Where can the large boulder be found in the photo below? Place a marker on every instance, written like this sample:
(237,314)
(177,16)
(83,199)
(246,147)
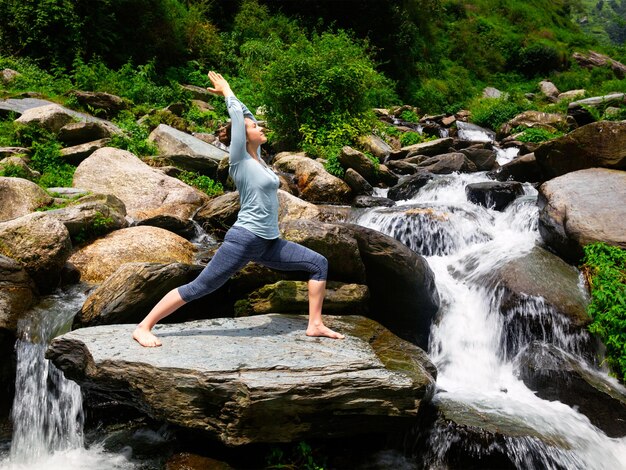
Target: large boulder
(483,158)
(78,153)
(448,163)
(17,293)
(580,208)
(314,183)
(40,243)
(581,110)
(594,59)
(187,151)
(357,183)
(553,375)
(410,186)
(524,169)
(497,196)
(539,273)
(403,294)
(103,257)
(145,191)
(51,117)
(358,161)
(293,297)
(221,212)
(333,241)
(256,379)
(76,133)
(92,216)
(20,197)
(430,148)
(103,102)
(376,146)
(535,120)
(600,144)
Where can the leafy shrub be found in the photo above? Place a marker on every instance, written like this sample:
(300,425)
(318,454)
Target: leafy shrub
(410,138)
(134,138)
(493,112)
(47,160)
(98,226)
(605,269)
(409,116)
(14,171)
(201,182)
(317,85)
(536,135)
(539,59)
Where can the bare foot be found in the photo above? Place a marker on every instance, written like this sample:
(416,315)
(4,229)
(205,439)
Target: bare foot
(323,330)
(145,338)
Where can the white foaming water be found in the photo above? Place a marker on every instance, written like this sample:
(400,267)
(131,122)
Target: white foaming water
(474,135)
(47,410)
(465,245)
(504,156)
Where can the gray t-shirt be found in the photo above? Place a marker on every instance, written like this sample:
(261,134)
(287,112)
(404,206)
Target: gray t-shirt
(256,182)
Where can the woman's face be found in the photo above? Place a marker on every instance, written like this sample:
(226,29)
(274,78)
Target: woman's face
(255,134)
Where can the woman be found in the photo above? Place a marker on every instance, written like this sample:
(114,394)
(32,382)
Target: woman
(254,236)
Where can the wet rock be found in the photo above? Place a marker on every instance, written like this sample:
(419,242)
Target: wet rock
(554,374)
(372,201)
(579,208)
(186,151)
(103,257)
(524,169)
(293,297)
(601,144)
(357,183)
(256,379)
(334,241)
(448,163)
(8,366)
(314,183)
(484,159)
(358,161)
(494,195)
(17,293)
(76,133)
(387,177)
(78,153)
(403,293)
(431,148)
(580,110)
(145,191)
(402,167)
(410,186)
(472,133)
(20,197)
(38,242)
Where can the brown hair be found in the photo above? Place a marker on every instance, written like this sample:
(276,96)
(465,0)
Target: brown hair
(224,133)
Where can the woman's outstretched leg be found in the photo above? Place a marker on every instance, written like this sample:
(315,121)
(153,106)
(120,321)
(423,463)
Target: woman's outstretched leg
(171,302)
(316,327)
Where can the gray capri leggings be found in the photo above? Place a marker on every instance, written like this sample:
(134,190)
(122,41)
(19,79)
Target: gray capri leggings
(242,246)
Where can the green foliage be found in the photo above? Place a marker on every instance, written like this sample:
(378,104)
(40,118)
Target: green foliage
(97,227)
(134,138)
(202,121)
(411,138)
(47,160)
(536,134)
(605,269)
(409,116)
(201,182)
(317,85)
(13,171)
(299,456)
(539,59)
(493,112)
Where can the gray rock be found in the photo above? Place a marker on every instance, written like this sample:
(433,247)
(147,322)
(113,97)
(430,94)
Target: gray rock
(579,110)
(187,151)
(600,144)
(571,94)
(105,102)
(376,146)
(534,119)
(556,375)
(484,159)
(579,208)
(293,297)
(448,163)
(198,93)
(402,167)
(491,92)
(410,186)
(431,148)
(78,153)
(8,75)
(145,191)
(51,117)
(256,379)
(351,158)
(20,163)
(76,133)
(357,183)
(40,243)
(548,89)
(594,59)
(372,201)
(20,197)
(494,195)
(524,169)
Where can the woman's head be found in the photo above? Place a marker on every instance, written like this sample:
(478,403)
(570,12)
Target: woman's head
(254,133)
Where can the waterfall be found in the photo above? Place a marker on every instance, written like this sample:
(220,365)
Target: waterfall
(47,411)
(474,344)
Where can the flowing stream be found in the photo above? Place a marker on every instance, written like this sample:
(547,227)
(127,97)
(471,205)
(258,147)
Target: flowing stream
(474,345)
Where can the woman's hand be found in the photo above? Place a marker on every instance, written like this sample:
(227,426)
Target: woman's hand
(220,85)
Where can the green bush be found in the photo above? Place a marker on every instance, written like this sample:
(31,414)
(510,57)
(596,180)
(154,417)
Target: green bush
(411,138)
(605,269)
(134,138)
(539,59)
(536,135)
(201,182)
(493,112)
(47,160)
(13,171)
(318,84)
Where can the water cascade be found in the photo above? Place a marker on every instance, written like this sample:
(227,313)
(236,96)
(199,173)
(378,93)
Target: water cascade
(475,345)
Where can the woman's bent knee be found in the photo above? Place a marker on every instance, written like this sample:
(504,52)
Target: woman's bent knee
(321,271)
